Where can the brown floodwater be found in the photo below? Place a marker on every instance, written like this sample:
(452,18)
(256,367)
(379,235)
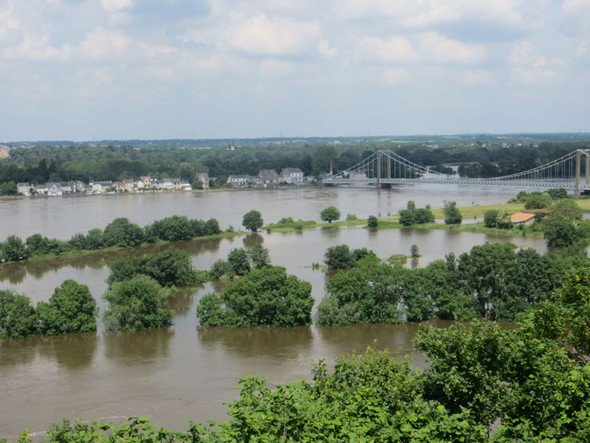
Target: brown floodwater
(187,371)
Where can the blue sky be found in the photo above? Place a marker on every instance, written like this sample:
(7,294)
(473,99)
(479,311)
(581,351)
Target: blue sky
(153,69)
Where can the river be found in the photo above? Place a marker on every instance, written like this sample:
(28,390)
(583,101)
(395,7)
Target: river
(185,371)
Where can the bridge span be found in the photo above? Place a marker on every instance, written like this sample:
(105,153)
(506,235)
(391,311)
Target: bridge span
(388,168)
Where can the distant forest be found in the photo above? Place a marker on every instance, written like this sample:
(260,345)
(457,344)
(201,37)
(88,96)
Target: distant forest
(477,155)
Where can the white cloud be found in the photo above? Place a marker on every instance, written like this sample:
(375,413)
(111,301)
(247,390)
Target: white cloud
(575,6)
(530,67)
(440,49)
(477,77)
(276,68)
(397,77)
(106,46)
(326,50)
(397,49)
(36,48)
(261,35)
(115,5)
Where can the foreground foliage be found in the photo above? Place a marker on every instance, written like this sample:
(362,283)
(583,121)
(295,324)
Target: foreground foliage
(482,383)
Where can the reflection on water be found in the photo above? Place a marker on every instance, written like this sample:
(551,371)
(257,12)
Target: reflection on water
(137,347)
(182,300)
(15,273)
(252,342)
(252,240)
(72,351)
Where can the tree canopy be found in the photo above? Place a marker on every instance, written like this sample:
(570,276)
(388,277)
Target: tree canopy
(137,304)
(330,214)
(71,309)
(253,220)
(265,296)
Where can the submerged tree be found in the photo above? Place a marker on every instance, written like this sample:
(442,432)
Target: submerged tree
(71,308)
(137,304)
(265,296)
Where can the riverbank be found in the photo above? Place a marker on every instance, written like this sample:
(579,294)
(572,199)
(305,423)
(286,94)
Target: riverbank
(288,225)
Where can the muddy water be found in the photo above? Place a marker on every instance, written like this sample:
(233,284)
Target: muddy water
(186,371)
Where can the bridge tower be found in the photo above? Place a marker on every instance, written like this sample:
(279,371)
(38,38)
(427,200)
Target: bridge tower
(379,155)
(579,153)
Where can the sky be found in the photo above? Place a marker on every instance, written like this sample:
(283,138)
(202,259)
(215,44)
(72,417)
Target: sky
(87,70)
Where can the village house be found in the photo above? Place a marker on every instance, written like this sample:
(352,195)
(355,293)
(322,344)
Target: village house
(268,177)
(4,151)
(169,184)
(101,187)
(526,217)
(203,177)
(128,185)
(238,181)
(148,182)
(24,188)
(291,176)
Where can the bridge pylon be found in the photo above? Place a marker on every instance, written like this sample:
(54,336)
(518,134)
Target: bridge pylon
(579,153)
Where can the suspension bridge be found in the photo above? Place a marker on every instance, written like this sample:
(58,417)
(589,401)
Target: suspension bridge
(388,168)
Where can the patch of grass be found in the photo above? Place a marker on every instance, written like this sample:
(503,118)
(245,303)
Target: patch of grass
(290,225)
(477,211)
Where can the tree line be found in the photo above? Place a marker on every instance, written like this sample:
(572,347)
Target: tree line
(492,280)
(119,233)
(44,163)
(137,296)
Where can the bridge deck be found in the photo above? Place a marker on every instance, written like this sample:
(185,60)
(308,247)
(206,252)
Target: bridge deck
(458,181)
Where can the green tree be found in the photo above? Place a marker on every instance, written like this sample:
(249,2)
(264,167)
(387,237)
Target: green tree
(339,257)
(220,268)
(137,304)
(174,228)
(71,309)
(168,268)
(39,245)
(557,193)
(253,220)
(8,188)
(566,209)
(17,316)
(121,232)
(372,221)
(94,239)
(14,249)
(452,214)
(239,261)
(321,159)
(537,200)
(423,215)
(265,296)
(560,233)
(490,218)
(330,214)
(259,256)
(369,294)
(406,217)
(487,272)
